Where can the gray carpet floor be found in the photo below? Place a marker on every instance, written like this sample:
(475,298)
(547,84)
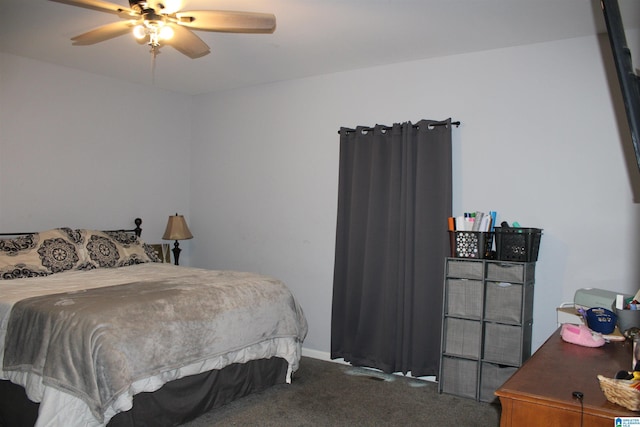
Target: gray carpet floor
(331,394)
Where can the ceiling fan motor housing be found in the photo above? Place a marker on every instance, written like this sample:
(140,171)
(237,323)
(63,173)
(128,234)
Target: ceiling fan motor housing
(142,6)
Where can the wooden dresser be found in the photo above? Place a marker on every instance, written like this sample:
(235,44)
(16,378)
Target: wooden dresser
(540,393)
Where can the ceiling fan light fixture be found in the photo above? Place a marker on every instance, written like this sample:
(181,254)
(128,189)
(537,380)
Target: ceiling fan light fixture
(166,32)
(139,32)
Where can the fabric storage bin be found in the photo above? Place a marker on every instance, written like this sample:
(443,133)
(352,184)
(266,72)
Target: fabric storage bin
(462,337)
(459,377)
(464,298)
(503,344)
(465,269)
(503,302)
(510,272)
(492,378)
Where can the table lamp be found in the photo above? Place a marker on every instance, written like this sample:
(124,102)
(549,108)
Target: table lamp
(177,229)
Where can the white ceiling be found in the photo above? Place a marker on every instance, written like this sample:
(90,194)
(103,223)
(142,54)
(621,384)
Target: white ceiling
(312,37)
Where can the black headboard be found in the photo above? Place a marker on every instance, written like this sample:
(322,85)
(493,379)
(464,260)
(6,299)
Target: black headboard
(137,230)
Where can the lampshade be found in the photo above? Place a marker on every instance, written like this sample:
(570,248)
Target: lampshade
(177,229)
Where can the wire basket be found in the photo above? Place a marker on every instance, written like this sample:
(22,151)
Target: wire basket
(621,392)
(518,244)
(470,244)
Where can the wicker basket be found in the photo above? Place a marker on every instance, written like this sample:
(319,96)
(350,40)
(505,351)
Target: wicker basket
(620,392)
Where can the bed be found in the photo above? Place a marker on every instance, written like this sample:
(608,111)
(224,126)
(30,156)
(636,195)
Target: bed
(95,331)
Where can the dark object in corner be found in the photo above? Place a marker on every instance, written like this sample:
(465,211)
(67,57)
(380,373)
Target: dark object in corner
(629,81)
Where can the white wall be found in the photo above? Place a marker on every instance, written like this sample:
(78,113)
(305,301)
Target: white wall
(539,143)
(81,150)
(256,170)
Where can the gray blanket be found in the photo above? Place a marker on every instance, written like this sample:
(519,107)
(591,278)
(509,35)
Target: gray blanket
(94,344)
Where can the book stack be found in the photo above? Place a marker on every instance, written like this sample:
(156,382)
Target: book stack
(473,221)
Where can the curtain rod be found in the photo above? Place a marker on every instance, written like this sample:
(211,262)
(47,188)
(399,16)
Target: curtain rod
(456,124)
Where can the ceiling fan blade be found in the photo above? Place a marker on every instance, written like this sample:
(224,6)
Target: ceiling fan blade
(103,33)
(100,6)
(187,43)
(228,21)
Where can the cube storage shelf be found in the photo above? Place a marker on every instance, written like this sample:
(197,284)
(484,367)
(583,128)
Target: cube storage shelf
(486,329)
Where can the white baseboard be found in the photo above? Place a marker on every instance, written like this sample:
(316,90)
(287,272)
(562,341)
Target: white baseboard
(321,355)
(326,356)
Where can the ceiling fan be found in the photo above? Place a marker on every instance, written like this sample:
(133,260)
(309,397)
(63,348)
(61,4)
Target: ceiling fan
(156,24)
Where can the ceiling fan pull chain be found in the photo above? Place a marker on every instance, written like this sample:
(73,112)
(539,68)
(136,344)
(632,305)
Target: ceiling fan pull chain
(154,53)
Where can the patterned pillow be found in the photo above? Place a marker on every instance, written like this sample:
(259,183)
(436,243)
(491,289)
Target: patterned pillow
(106,249)
(39,254)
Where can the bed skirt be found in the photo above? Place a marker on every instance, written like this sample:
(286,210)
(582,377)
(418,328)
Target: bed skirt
(175,403)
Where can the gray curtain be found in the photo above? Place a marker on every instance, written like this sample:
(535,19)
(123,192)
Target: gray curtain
(394,199)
